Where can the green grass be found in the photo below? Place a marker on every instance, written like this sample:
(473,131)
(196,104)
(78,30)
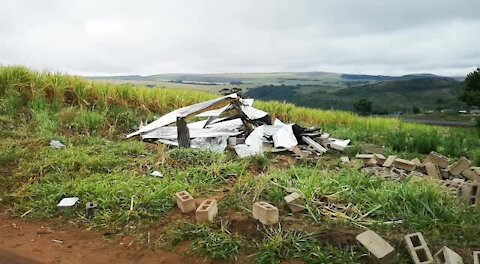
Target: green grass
(99,164)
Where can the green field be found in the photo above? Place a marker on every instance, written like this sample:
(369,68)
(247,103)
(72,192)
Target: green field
(92,119)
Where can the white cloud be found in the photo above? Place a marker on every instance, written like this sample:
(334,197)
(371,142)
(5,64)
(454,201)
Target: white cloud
(149,37)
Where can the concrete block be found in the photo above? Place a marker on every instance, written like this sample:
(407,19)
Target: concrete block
(364,156)
(266,213)
(389,161)
(471,175)
(90,209)
(437,159)
(476,257)
(295,202)
(432,171)
(67,203)
(404,164)
(185,202)
(418,249)
(344,160)
(447,256)
(417,162)
(459,166)
(470,193)
(380,159)
(380,250)
(206,211)
(444,173)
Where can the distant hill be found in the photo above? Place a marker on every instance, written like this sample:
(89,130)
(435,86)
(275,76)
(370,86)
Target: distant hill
(400,94)
(322,89)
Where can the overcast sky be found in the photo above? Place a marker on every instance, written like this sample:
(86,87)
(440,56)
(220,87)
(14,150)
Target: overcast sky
(97,37)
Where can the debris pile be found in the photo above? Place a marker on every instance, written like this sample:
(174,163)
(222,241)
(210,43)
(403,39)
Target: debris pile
(231,121)
(460,177)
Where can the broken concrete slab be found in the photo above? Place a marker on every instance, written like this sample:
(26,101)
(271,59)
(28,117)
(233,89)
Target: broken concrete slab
(432,171)
(314,144)
(339,144)
(67,203)
(389,161)
(404,164)
(459,166)
(295,202)
(379,158)
(418,249)
(185,202)
(447,256)
(380,250)
(56,144)
(344,160)
(207,211)
(266,213)
(437,159)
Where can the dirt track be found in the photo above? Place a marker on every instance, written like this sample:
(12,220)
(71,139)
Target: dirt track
(32,242)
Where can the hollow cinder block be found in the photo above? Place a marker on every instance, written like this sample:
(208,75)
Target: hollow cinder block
(295,202)
(185,202)
(471,175)
(418,249)
(432,171)
(404,164)
(206,211)
(476,257)
(459,166)
(389,161)
(266,213)
(380,250)
(447,256)
(437,159)
(470,193)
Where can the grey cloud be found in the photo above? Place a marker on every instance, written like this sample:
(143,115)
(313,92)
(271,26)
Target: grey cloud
(148,37)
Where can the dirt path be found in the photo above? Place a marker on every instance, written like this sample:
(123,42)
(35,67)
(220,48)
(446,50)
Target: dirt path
(49,242)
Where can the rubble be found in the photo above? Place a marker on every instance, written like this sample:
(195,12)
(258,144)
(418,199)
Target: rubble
(233,122)
(56,144)
(295,202)
(404,164)
(67,203)
(437,159)
(389,161)
(458,167)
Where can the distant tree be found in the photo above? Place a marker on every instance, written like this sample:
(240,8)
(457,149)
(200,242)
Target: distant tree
(416,110)
(363,107)
(471,89)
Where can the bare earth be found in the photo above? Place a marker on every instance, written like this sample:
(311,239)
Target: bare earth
(49,242)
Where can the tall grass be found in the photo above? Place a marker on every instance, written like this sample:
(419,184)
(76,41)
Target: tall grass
(121,107)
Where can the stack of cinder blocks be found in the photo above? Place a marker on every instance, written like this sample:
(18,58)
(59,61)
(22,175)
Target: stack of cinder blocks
(380,250)
(418,249)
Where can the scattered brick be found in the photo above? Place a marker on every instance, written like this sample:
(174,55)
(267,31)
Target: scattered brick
(389,161)
(266,213)
(380,250)
(206,211)
(295,202)
(185,202)
(404,164)
(418,249)
(458,167)
(437,159)
(447,256)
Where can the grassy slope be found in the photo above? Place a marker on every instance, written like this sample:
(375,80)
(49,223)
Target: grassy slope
(99,164)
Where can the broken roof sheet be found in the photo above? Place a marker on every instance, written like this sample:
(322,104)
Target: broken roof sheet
(185,112)
(171,133)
